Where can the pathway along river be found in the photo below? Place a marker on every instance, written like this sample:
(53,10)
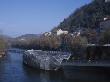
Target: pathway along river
(13,70)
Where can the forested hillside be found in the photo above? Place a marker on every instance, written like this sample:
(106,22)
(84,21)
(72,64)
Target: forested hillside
(88,16)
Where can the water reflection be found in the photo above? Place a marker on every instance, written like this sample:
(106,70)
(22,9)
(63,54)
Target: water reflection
(43,76)
(88,74)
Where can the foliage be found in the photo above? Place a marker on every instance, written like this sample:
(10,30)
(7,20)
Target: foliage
(88,16)
(2,43)
(105,37)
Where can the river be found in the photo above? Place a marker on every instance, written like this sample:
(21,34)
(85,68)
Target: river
(13,70)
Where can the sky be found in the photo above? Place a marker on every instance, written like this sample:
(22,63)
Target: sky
(18,17)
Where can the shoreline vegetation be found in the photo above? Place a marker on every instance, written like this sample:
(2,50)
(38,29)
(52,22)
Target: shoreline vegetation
(3,47)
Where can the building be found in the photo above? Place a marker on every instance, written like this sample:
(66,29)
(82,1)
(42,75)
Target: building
(105,24)
(47,33)
(60,32)
(107,1)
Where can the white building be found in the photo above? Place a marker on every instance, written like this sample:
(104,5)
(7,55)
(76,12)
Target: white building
(22,39)
(47,33)
(105,18)
(104,25)
(60,32)
(78,33)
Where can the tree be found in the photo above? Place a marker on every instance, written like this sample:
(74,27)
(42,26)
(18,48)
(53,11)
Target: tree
(78,46)
(105,37)
(2,44)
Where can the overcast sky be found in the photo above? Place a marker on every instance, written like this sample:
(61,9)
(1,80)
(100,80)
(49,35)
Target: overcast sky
(19,17)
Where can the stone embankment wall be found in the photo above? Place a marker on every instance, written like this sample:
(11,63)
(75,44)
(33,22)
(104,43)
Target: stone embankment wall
(46,60)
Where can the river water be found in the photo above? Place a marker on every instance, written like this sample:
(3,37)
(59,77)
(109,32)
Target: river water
(13,70)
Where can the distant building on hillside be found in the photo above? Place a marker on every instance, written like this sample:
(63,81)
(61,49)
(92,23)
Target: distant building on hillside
(105,24)
(47,33)
(77,33)
(106,18)
(60,32)
(107,1)
(22,39)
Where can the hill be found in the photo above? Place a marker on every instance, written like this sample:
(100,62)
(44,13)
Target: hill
(88,16)
(28,36)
